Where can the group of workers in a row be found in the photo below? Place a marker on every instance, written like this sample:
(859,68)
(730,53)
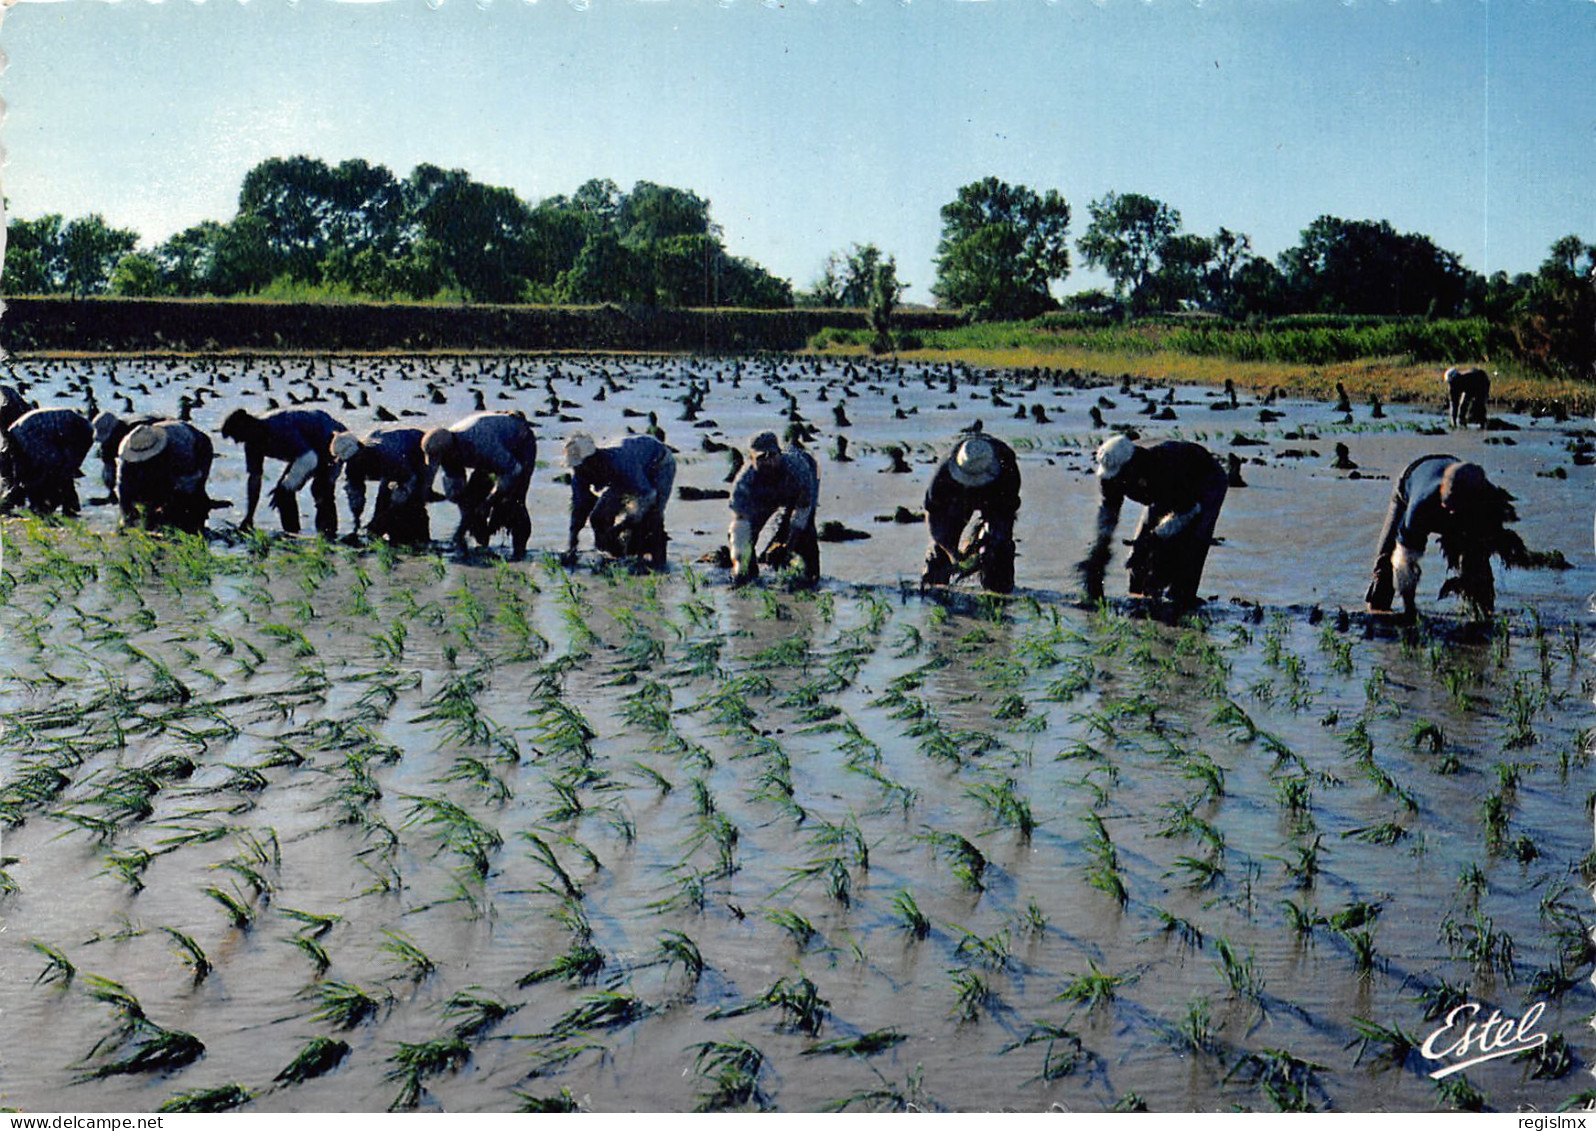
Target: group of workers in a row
(156,471)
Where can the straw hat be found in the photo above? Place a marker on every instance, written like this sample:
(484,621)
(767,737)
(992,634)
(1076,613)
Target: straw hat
(143,443)
(344,446)
(1462,484)
(1113,455)
(104,425)
(764,442)
(578,447)
(975,462)
(437,444)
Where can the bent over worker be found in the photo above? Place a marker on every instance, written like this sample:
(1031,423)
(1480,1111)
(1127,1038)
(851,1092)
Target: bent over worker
(301,438)
(1442,495)
(980,476)
(1183,487)
(392,458)
(41,456)
(162,469)
(1467,392)
(500,451)
(774,480)
(622,490)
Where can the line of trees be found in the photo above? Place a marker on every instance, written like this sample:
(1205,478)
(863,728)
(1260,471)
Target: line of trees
(304,227)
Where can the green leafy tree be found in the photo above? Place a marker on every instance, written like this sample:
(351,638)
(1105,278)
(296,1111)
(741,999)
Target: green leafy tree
(1555,320)
(1127,238)
(90,249)
(1368,267)
(847,277)
(1002,248)
(138,276)
(606,270)
(33,256)
(885,291)
(651,213)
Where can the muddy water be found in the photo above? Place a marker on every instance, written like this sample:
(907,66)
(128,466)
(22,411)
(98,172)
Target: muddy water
(1137,800)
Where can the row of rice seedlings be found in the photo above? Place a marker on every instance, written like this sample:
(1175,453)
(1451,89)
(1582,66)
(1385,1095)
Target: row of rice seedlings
(798,999)
(136,1044)
(454,710)
(1104,872)
(1063,1052)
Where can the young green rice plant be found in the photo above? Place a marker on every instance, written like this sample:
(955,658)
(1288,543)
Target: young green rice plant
(1195,1030)
(319,1056)
(799,929)
(1458,1094)
(1094,988)
(1005,804)
(226,1097)
(909,916)
(564,1102)
(1103,873)
(605,1010)
(239,913)
(190,953)
(1551,1060)
(1241,975)
(58,968)
(473,1014)
(730,1072)
(864,1045)
(1289,1082)
(412,962)
(798,999)
(580,964)
(971,995)
(344,1005)
(991,951)
(677,948)
(967,862)
(457,831)
(1063,1054)
(414,1063)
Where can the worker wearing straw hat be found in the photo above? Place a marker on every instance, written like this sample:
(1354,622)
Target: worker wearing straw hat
(392,458)
(162,469)
(12,405)
(774,480)
(1183,488)
(301,439)
(622,491)
(500,451)
(980,476)
(1442,495)
(41,457)
(109,432)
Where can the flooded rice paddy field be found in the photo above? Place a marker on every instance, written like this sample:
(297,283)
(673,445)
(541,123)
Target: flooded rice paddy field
(309,826)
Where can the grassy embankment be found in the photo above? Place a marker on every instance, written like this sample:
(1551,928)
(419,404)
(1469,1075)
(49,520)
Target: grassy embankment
(1397,360)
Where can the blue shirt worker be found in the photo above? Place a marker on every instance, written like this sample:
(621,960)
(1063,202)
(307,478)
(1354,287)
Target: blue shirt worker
(12,406)
(41,458)
(1183,488)
(1442,495)
(1467,393)
(622,490)
(392,458)
(301,438)
(774,480)
(980,476)
(161,475)
(500,451)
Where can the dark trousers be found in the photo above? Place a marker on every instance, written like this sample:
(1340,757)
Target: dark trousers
(997,551)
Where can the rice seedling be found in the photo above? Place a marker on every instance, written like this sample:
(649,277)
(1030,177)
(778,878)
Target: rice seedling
(1005,804)
(414,1063)
(1094,988)
(971,995)
(991,951)
(319,1056)
(1103,873)
(564,1102)
(731,1071)
(239,913)
(412,962)
(1289,1082)
(604,1010)
(58,968)
(1241,975)
(798,999)
(968,864)
(677,948)
(225,1097)
(344,1005)
(190,953)
(1551,1060)
(581,964)
(472,1015)
(1458,1094)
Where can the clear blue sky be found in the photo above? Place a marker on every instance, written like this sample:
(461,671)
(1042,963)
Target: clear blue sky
(813,124)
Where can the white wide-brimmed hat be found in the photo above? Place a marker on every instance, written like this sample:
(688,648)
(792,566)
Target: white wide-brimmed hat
(1112,456)
(143,443)
(975,462)
(438,443)
(578,446)
(344,446)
